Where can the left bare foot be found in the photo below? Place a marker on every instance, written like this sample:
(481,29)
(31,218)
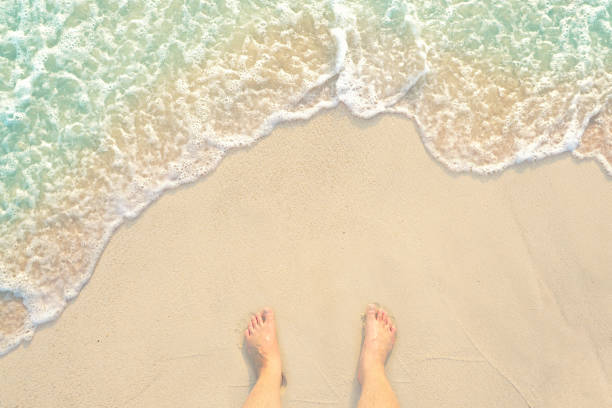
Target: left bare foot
(379,337)
(262,343)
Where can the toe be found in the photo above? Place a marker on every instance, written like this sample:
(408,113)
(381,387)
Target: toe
(247,333)
(382,315)
(254,321)
(251,328)
(267,314)
(259,318)
(371,312)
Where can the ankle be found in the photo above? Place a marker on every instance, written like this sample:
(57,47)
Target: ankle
(370,370)
(271,370)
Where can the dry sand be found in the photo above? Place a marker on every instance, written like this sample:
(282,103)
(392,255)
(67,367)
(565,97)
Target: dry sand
(501,286)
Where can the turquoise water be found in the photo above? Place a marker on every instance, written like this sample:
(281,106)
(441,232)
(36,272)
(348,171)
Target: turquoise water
(105,104)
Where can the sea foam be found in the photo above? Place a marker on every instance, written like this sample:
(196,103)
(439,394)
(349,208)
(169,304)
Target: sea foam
(106,104)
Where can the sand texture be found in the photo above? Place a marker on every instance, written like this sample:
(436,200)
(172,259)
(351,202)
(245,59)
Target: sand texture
(501,286)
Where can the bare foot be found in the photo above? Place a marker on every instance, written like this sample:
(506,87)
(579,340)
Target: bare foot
(262,343)
(378,341)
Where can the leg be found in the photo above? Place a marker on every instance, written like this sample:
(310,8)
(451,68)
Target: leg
(378,341)
(263,348)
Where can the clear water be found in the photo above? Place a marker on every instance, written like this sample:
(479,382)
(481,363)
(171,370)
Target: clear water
(105,104)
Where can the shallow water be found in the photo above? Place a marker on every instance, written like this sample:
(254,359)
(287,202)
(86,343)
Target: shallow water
(105,104)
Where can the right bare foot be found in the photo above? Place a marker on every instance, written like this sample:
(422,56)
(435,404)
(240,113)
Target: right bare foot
(262,343)
(378,341)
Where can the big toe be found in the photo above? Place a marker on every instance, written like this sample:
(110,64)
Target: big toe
(268,314)
(371,312)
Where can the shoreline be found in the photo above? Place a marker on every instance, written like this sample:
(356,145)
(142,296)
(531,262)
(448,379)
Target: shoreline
(291,220)
(296,120)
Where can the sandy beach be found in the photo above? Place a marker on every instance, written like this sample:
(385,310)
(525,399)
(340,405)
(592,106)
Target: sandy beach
(500,285)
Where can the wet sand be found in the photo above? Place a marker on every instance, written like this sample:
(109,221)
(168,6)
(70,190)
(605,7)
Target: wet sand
(500,285)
